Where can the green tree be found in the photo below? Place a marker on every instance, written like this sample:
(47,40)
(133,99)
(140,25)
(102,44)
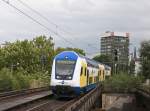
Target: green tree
(132,66)
(145,59)
(106,59)
(44,48)
(32,56)
(1,58)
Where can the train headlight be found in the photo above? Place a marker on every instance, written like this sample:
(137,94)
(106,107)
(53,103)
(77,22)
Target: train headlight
(68,77)
(58,77)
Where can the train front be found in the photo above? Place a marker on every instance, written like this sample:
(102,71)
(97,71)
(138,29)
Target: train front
(64,78)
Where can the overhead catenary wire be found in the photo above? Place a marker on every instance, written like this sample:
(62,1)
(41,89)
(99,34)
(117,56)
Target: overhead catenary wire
(45,18)
(38,13)
(42,16)
(39,23)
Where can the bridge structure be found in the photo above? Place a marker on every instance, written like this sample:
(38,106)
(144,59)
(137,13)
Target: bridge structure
(42,100)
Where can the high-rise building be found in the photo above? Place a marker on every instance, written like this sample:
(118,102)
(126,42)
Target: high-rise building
(116,45)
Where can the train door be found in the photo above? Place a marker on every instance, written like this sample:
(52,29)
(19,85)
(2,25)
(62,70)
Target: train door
(102,73)
(83,74)
(87,79)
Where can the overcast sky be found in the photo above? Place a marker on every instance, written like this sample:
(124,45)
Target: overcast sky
(79,21)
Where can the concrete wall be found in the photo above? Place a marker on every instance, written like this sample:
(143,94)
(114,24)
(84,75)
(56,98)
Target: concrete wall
(118,102)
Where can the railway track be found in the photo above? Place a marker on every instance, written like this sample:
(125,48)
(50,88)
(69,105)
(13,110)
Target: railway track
(51,105)
(46,101)
(11,94)
(38,99)
(13,99)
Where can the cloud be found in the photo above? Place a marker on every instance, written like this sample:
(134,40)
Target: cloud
(85,20)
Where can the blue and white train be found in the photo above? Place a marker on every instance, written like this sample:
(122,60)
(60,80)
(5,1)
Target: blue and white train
(73,74)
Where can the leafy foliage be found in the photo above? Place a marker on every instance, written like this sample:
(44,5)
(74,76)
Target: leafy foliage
(28,55)
(106,59)
(27,63)
(31,56)
(22,80)
(5,80)
(122,82)
(145,59)
(132,66)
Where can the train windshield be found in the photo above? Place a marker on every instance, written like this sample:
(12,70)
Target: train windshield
(65,67)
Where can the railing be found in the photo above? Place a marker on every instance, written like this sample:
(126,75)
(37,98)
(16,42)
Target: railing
(145,88)
(143,99)
(86,102)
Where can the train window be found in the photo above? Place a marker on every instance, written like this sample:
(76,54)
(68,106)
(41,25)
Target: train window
(64,68)
(85,71)
(81,70)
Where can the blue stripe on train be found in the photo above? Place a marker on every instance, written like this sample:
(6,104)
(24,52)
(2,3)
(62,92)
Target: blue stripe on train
(91,86)
(79,90)
(76,90)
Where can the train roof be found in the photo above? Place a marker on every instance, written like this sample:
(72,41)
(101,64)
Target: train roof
(90,62)
(74,55)
(93,62)
(69,55)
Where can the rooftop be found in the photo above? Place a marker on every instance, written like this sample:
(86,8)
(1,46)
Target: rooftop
(121,34)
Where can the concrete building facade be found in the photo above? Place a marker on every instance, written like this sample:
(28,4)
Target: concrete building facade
(111,41)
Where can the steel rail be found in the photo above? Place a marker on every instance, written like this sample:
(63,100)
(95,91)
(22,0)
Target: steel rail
(10,94)
(50,105)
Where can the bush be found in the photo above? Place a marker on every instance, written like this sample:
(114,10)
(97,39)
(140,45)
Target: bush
(122,83)
(5,80)
(41,79)
(22,80)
